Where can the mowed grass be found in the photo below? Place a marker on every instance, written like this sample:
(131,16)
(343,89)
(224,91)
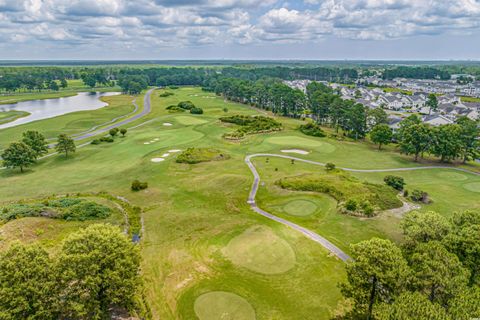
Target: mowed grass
(192,213)
(221,305)
(9,116)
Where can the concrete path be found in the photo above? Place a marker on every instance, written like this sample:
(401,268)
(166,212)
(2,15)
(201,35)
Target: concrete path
(308,233)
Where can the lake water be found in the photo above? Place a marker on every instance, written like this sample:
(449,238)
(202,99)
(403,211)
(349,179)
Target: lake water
(49,108)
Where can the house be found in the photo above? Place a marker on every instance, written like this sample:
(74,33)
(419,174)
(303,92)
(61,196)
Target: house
(436,120)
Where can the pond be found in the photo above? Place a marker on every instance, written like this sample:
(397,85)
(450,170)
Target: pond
(49,108)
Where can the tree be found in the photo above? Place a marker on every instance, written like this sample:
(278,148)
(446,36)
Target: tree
(123,131)
(377,116)
(27,283)
(415,139)
(356,121)
(447,142)
(113,132)
(377,273)
(395,182)
(381,134)
(63,83)
(432,103)
(437,273)
(469,137)
(466,305)
(18,154)
(36,141)
(65,144)
(422,227)
(411,306)
(99,268)
(89,80)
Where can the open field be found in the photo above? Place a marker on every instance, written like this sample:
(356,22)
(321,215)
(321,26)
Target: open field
(205,253)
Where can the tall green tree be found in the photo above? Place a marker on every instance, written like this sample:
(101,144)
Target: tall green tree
(36,141)
(376,274)
(65,144)
(447,142)
(422,227)
(377,116)
(465,305)
(470,138)
(438,273)
(381,134)
(411,306)
(18,155)
(99,268)
(27,283)
(415,139)
(432,103)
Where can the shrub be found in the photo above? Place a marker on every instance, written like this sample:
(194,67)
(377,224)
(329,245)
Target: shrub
(86,210)
(166,94)
(95,141)
(197,155)
(312,129)
(186,105)
(419,196)
(367,208)
(196,110)
(405,193)
(175,108)
(113,132)
(330,166)
(250,125)
(123,131)
(137,185)
(395,182)
(107,139)
(225,110)
(351,205)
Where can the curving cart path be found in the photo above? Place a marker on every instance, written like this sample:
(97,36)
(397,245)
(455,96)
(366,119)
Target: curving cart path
(308,233)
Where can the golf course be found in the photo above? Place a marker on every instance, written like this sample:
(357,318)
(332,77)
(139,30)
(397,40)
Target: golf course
(228,228)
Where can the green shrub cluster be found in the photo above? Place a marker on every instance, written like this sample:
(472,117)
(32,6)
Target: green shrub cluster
(419,196)
(250,125)
(395,182)
(166,94)
(312,129)
(184,106)
(101,140)
(137,185)
(196,110)
(63,208)
(354,196)
(197,155)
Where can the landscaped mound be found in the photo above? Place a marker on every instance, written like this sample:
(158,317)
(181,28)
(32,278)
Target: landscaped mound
(197,155)
(312,129)
(259,249)
(221,305)
(354,197)
(62,208)
(184,106)
(250,125)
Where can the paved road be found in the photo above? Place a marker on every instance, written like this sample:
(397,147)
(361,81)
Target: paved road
(308,233)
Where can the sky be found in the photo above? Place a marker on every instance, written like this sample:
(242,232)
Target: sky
(240,29)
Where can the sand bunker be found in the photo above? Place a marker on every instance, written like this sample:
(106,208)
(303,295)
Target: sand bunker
(157,160)
(174,150)
(146,143)
(298,151)
(165,155)
(167,124)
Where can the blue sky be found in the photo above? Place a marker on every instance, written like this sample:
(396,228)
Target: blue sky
(240,29)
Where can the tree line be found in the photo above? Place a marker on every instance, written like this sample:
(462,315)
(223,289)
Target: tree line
(434,274)
(95,270)
(416,73)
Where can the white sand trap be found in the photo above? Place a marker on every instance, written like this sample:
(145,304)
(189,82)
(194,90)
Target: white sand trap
(297,151)
(156,139)
(146,143)
(157,159)
(167,124)
(174,150)
(165,155)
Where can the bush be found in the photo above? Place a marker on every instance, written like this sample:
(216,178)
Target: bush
(419,196)
(312,129)
(196,110)
(137,185)
(330,166)
(95,142)
(113,132)
(197,155)
(351,205)
(107,139)
(405,193)
(86,210)
(175,108)
(166,94)
(186,105)
(250,125)
(395,182)
(367,208)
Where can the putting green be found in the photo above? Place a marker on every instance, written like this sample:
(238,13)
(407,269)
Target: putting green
(220,305)
(300,208)
(301,142)
(452,176)
(474,186)
(259,249)
(189,120)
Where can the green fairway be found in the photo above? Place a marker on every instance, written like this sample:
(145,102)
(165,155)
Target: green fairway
(260,250)
(223,306)
(205,253)
(9,116)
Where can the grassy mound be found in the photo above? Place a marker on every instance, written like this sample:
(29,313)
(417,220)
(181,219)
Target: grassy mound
(452,176)
(474,186)
(63,208)
(300,208)
(354,196)
(259,249)
(197,155)
(250,125)
(312,129)
(220,305)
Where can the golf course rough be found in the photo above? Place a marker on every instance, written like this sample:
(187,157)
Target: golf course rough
(474,186)
(453,176)
(221,305)
(260,250)
(300,142)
